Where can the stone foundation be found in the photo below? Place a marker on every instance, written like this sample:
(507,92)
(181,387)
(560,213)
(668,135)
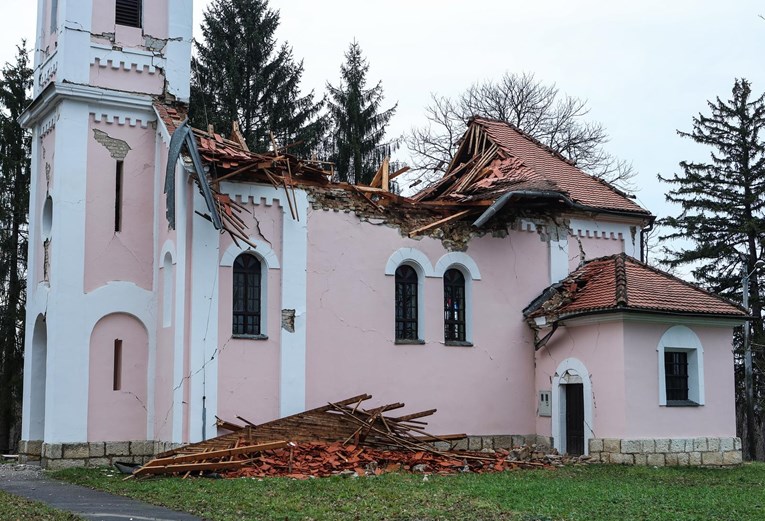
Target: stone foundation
(55,456)
(494,442)
(672,452)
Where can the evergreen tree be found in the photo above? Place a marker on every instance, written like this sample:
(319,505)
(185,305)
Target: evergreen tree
(723,204)
(358,125)
(242,74)
(15,149)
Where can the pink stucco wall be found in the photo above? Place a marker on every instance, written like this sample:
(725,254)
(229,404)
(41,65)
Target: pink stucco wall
(646,419)
(486,389)
(154,22)
(126,255)
(248,369)
(600,347)
(118,415)
(104,75)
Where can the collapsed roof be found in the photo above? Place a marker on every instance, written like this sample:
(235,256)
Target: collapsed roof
(495,164)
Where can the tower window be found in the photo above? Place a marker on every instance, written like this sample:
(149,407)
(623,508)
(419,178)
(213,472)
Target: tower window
(117,365)
(128,13)
(118,197)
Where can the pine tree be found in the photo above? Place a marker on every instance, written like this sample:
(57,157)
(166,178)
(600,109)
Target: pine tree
(242,74)
(723,204)
(15,149)
(358,125)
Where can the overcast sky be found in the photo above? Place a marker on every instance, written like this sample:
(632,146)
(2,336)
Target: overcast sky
(646,68)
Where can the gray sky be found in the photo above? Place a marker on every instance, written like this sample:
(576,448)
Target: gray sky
(646,68)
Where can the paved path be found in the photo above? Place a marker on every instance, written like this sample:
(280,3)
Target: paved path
(30,482)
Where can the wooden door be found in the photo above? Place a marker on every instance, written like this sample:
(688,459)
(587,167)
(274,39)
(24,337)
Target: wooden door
(575,419)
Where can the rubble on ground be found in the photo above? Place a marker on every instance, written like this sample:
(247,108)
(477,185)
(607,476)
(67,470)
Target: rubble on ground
(340,438)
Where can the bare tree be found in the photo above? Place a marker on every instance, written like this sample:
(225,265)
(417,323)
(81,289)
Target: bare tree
(540,110)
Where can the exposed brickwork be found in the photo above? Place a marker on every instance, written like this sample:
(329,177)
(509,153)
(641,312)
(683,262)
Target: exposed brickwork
(118,148)
(667,452)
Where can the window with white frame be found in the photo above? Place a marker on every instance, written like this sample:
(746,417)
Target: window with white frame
(407,303)
(681,368)
(454,306)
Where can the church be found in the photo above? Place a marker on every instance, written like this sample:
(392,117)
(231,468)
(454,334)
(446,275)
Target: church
(176,278)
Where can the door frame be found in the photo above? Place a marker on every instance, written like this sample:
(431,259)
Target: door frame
(570,370)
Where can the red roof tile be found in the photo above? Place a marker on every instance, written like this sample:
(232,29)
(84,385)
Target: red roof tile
(540,162)
(621,283)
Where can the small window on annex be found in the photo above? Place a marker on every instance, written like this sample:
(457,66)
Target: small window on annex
(676,376)
(454,306)
(128,12)
(407,283)
(247,296)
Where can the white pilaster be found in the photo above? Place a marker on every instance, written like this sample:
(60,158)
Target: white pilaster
(74,40)
(66,402)
(558,258)
(178,50)
(294,287)
(203,341)
(180,302)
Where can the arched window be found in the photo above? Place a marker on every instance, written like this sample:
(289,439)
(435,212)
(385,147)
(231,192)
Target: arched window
(406,303)
(247,293)
(454,306)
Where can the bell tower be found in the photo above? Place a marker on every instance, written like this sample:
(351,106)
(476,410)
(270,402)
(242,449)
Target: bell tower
(100,65)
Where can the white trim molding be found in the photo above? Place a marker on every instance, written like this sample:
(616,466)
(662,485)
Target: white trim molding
(413,257)
(457,258)
(682,338)
(574,369)
(262,250)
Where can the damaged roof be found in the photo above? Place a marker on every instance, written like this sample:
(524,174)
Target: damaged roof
(496,158)
(621,283)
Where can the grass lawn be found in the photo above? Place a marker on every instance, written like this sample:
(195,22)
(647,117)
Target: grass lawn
(581,493)
(14,508)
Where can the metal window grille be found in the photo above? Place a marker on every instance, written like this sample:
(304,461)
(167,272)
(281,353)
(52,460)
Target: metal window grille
(406,303)
(676,375)
(454,306)
(128,12)
(247,272)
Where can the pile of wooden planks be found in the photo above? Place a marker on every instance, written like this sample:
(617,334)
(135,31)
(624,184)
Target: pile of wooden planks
(344,422)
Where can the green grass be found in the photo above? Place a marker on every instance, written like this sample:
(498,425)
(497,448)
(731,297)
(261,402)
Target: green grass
(576,493)
(14,508)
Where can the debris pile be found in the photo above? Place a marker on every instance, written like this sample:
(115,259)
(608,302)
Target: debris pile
(338,438)
(319,459)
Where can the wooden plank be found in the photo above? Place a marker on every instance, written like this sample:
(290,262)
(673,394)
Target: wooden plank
(439,222)
(215,454)
(385,171)
(190,467)
(237,136)
(415,415)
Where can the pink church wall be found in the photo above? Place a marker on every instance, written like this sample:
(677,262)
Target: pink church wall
(126,255)
(49,39)
(486,388)
(126,80)
(600,347)
(646,419)
(248,381)
(154,22)
(117,415)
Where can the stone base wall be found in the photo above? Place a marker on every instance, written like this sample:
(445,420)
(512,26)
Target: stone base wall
(494,442)
(55,456)
(672,452)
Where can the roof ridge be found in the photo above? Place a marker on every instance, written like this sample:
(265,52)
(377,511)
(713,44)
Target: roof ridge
(620,276)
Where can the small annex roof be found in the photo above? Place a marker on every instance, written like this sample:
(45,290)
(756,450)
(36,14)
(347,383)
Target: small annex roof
(620,283)
(496,158)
